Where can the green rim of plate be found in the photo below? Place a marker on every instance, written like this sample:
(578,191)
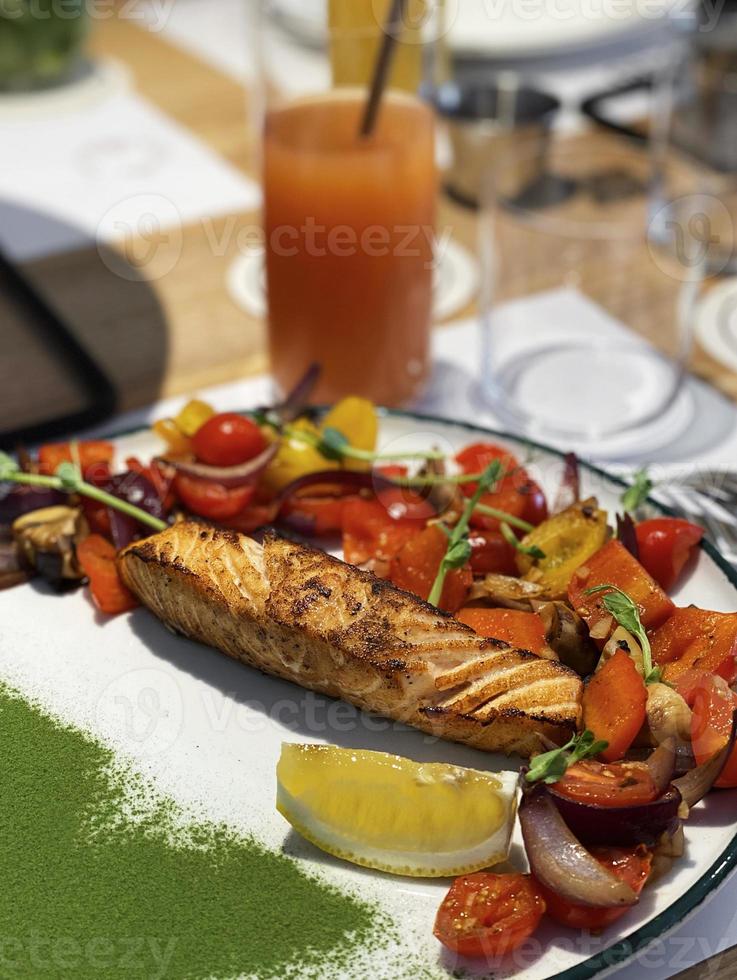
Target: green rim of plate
(624,949)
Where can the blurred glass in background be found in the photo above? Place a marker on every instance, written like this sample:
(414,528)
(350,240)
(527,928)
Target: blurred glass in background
(41,42)
(588,315)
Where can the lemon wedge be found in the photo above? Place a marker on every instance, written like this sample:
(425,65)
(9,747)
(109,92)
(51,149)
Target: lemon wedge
(382,811)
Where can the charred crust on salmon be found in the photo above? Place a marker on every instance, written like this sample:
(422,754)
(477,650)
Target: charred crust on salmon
(299,614)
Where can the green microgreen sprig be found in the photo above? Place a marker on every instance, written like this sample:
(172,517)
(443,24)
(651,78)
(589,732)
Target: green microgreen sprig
(636,495)
(68,479)
(458,550)
(549,767)
(511,538)
(626,613)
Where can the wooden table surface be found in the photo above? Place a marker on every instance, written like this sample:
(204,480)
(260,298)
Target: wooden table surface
(161,334)
(169,326)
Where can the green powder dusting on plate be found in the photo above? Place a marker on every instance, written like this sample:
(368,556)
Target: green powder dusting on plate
(100,879)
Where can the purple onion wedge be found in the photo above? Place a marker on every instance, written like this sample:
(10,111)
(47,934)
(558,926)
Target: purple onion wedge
(17,499)
(561,862)
(661,763)
(226,476)
(345,479)
(621,826)
(140,492)
(696,783)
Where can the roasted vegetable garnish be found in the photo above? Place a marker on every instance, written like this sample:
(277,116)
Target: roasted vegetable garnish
(47,540)
(567,635)
(567,540)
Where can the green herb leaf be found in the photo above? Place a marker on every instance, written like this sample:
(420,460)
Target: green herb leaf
(67,479)
(8,466)
(549,767)
(333,444)
(69,475)
(636,495)
(526,549)
(626,613)
(459,549)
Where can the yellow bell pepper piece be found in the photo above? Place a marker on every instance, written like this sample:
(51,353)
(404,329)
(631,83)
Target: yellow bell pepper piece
(356,419)
(193,416)
(295,459)
(176,442)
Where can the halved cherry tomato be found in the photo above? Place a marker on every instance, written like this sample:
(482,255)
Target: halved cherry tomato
(614,565)
(316,515)
(614,704)
(711,723)
(416,565)
(516,493)
(697,639)
(476,457)
(378,528)
(489,915)
(665,545)
(91,452)
(610,784)
(390,470)
(523,630)
(228,439)
(632,865)
(212,500)
(491,553)
(96,557)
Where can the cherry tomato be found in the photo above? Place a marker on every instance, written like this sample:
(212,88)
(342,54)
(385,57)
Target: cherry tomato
(212,500)
(377,528)
(523,630)
(228,439)
(489,915)
(611,784)
(476,457)
(96,557)
(665,545)
(711,725)
(516,493)
(632,865)
(89,453)
(695,639)
(316,515)
(415,567)
(491,553)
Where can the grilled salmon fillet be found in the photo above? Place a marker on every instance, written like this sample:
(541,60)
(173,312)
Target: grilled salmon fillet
(300,614)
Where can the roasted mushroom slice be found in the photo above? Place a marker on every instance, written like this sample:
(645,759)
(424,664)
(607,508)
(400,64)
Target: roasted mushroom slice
(46,540)
(568,636)
(507,591)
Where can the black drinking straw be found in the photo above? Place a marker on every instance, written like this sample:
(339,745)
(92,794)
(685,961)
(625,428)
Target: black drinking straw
(392,30)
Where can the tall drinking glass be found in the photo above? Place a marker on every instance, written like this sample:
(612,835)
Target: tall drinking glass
(591,290)
(348,218)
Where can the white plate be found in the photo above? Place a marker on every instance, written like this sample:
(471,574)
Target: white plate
(208,731)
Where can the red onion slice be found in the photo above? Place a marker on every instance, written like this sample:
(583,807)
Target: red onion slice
(698,781)
(226,476)
(343,479)
(662,763)
(17,499)
(569,492)
(296,400)
(561,862)
(622,826)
